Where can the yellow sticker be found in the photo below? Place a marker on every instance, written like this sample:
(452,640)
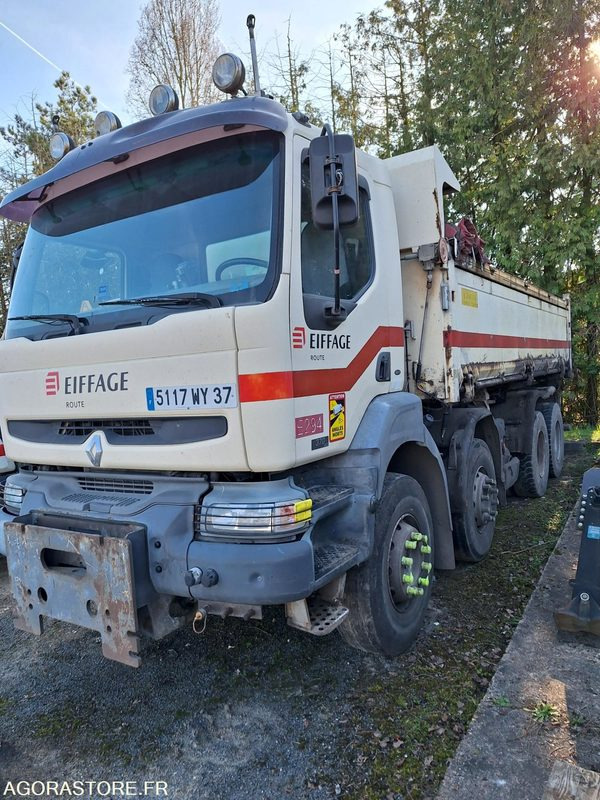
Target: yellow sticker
(469,298)
(337,416)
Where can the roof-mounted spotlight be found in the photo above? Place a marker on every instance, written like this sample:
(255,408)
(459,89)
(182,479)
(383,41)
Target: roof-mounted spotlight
(59,145)
(106,122)
(229,73)
(163,98)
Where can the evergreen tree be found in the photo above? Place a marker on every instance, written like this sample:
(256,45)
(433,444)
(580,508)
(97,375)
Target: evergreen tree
(28,155)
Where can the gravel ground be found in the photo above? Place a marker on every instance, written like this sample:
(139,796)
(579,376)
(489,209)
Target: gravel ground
(246,710)
(242,711)
(257,710)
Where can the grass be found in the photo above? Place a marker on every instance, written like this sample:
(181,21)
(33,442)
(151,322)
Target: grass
(410,719)
(583,433)
(501,702)
(543,712)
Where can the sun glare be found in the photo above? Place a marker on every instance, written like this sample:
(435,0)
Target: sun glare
(594,49)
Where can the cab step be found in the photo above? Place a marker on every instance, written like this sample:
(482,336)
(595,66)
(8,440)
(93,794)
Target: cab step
(329,499)
(315,615)
(331,559)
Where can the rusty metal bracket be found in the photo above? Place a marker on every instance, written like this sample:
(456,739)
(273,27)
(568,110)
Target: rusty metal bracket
(80,576)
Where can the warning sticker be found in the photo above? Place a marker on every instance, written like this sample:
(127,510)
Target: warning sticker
(337,416)
(469,298)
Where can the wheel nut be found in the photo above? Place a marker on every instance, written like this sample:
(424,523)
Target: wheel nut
(426,549)
(410,545)
(406,561)
(423,581)
(408,578)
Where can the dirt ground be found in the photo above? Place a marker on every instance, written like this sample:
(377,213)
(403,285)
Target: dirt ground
(258,710)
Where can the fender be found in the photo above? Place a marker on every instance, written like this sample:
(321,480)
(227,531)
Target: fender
(391,437)
(465,425)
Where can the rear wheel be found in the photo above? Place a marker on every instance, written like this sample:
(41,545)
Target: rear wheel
(534,468)
(388,594)
(474,524)
(556,435)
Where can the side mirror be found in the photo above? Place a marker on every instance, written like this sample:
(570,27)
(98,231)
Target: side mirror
(333,160)
(15,262)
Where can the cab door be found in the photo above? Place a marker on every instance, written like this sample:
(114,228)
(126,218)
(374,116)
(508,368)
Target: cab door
(339,368)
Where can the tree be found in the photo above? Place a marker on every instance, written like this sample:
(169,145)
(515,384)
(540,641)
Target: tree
(28,155)
(176,44)
(292,79)
(28,138)
(510,91)
(524,137)
(354,112)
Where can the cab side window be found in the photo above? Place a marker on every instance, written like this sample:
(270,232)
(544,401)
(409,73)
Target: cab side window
(316,247)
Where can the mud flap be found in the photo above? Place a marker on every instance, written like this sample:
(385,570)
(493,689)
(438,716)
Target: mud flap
(76,571)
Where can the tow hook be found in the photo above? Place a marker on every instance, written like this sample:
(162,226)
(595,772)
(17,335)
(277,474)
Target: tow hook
(199,623)
(195,576)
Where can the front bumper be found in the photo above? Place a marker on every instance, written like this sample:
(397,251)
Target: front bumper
(121,570)
(164,508)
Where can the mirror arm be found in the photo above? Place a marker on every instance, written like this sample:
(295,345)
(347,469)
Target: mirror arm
(334,190)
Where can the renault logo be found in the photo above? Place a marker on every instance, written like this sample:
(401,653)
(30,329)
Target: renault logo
(94,450)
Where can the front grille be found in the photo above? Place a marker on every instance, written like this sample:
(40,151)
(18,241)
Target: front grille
(91,497)
(113,485)
(120,427)
(121,432)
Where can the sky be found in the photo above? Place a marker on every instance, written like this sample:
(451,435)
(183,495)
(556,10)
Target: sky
(91,40)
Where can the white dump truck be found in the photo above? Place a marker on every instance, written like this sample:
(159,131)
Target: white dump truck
(246,364)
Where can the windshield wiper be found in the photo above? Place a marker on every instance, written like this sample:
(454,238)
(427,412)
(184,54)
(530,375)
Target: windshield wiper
(74,321)
(182,299)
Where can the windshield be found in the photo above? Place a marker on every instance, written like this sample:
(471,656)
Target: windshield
(201,222)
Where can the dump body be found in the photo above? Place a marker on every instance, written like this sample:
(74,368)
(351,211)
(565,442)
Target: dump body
(471,326)
(482,329)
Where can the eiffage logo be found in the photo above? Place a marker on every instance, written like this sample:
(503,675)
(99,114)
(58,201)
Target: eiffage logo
(52,383)
(298,337)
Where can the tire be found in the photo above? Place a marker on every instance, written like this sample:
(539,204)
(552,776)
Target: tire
(556,436)
(385,613)
(535,467)
(474,526)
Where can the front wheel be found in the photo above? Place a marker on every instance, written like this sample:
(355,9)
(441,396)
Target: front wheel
(388,595)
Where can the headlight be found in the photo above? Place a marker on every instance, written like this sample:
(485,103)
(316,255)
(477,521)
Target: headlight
(13,494)
(163,98)
(252,521)
(229,73)
(106,122)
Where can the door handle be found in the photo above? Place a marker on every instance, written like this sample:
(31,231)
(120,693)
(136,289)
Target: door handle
(383,369)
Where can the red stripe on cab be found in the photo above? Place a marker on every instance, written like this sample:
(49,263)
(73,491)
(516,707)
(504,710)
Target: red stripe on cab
(304,383)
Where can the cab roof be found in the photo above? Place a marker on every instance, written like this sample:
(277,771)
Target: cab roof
(21,203)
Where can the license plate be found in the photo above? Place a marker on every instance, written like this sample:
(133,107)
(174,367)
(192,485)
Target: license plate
(219,395)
